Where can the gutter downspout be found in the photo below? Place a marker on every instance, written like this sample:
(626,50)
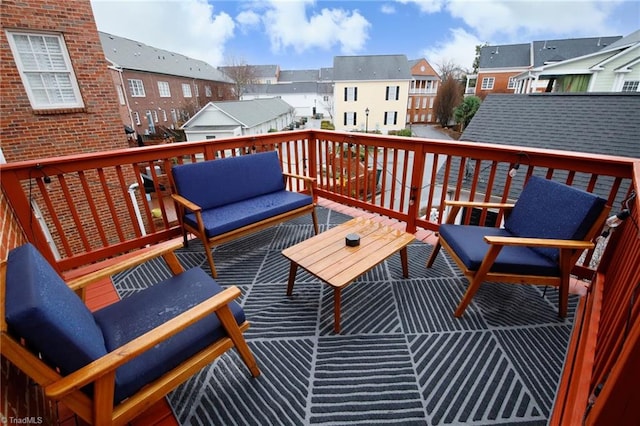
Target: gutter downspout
(132,193)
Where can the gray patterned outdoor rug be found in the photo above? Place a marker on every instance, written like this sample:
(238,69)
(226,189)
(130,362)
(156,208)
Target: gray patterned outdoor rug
(402,357)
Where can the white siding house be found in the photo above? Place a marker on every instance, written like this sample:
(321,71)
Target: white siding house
(238,118)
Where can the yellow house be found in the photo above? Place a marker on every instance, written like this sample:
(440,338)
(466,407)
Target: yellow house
(371,92)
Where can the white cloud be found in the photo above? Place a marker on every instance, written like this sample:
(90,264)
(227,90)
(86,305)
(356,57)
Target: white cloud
(459,48)
(495,19)
(426,6)
(287,26)
(189,27)
(248,18)
(388,9)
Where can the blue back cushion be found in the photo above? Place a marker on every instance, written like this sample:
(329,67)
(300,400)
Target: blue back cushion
(548,209)
(224,181)
(43,310)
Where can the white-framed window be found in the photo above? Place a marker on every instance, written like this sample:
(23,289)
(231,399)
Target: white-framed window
(196,90)
(393,93)
(136,117)
(120,94)
(136,87)
(512,83)
(163,89)
(350,93)
(631,86)
(390,117)
(349,118)
(174,115)
(424,102)
(164,115)
(155,115)
(45,69)
(207,91)
(487,83)
(186,90)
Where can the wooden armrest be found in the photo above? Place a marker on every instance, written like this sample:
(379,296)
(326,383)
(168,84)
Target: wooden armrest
(539,242)
(139,345)
(481,204)
(125,262)
(186,203)
(306,178)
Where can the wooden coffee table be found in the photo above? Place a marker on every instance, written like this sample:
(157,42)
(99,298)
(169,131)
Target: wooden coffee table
(327,256)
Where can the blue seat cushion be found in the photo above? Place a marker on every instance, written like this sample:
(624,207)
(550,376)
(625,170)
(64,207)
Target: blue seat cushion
(236,215)
(225,181)
(43,310)
(135,315)
(468,243)
(548,209)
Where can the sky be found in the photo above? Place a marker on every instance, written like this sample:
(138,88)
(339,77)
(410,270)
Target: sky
(307,34)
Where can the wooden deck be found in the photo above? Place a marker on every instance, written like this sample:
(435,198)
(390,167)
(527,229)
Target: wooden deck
(103,294)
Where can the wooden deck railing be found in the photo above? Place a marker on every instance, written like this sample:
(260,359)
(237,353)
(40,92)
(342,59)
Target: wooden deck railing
(82,209)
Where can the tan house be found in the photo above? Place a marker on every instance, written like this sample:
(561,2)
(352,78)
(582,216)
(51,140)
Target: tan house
(371,92)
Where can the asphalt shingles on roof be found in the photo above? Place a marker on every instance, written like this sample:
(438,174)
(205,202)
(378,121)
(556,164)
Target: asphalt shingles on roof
(371,67)
(295,76)
(134,55)
(546,51)
(598,123)
(505,56)
(254,112)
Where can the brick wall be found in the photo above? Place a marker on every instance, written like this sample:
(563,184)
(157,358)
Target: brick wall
(500,85)
(28,134)
(152,101)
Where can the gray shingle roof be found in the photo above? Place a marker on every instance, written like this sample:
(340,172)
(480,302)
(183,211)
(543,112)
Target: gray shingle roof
(289,76)
(505,56)
(289,88)
(632,38)
(253,112)
(134,55)
(541,51)
(559,50)
(598,123)
(371,67)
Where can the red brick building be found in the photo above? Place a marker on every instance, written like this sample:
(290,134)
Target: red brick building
(422,92)
(158,90)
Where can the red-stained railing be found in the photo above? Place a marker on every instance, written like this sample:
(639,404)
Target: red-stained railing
(82,209)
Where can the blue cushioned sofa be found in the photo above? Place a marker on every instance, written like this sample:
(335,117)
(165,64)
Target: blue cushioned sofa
(223,199)
(110,365)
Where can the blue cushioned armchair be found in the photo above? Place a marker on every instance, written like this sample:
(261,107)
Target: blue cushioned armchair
(223,199)
(110,365)
(544,233)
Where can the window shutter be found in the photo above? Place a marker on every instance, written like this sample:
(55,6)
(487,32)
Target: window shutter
(386,98)
(395,117)
(355,93)
(397,93)
(345,94)
(355,121)
(345,119)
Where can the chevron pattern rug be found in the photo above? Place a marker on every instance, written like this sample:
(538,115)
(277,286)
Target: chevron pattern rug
(402,358)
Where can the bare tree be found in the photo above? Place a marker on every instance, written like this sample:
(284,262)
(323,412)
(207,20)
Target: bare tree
(241,73)
(449,96)
(449,68)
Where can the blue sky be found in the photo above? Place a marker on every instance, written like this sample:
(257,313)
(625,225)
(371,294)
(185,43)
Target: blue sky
(306,34)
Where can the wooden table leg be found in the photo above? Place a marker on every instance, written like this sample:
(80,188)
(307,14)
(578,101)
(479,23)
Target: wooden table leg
(292,277)
(405,262)
(336,309)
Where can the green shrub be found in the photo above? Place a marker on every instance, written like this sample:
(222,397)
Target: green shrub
(326,125)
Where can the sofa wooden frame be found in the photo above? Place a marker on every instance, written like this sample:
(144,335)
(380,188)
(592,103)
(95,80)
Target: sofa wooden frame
(100,409)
